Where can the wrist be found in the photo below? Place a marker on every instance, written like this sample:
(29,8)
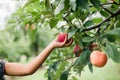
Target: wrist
(51,45)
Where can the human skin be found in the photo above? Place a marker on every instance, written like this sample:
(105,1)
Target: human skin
(18,69)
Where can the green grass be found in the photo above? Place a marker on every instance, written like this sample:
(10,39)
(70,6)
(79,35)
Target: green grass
(111,71)
(38,75)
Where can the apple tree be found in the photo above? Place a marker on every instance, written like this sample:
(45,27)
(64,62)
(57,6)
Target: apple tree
(87,22)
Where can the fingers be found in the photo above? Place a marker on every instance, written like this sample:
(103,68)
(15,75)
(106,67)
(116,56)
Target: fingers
(66,38)
(67,42)
(70,41)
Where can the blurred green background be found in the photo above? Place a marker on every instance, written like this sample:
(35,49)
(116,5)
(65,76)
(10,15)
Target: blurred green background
(20,45)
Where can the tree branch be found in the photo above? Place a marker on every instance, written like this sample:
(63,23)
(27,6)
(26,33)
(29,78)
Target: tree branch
(111,3)
(107,10)
(65,16)
(107,19)
(66,59)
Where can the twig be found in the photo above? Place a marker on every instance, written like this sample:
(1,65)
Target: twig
(107,3)
(70,67)
(66,59)
(106,20)
(111,3)
(116,3)
(107,10)
(65,17)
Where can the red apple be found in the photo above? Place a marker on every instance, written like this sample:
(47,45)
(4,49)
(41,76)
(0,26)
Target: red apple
(61,37)
(77,50)
(98,58)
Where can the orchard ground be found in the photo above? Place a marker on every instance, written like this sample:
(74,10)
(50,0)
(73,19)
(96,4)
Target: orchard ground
(111,71)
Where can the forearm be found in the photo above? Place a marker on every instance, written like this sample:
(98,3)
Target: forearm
(38,61)
(17,69)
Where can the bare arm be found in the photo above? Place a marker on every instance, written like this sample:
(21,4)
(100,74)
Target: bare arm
(17,69)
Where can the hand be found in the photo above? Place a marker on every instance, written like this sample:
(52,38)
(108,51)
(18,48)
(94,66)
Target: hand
(56,44)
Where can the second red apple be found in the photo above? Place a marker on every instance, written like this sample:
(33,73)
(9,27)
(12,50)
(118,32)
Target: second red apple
(77,50)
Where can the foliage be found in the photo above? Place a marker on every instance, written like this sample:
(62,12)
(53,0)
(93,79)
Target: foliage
(86,21)
(19,43)
(13,45)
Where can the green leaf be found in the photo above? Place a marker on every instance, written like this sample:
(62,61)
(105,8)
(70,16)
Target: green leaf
(88,23)
(118,1)
(112,52)
(90,67)
(61,67)
(47,5)
(73,4)
(117,23)
(30,2)
(81,14)
(111,38)
(52,68)
(115,32)
(88,39)
(84,58)
(64,75)
(71,33)
(97,20)
(67,4)
(83,4)
(82,61)
(49,73)
(104,13)
(96,3)
(53,22)
(74,78)
(60,7)
(104,1)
